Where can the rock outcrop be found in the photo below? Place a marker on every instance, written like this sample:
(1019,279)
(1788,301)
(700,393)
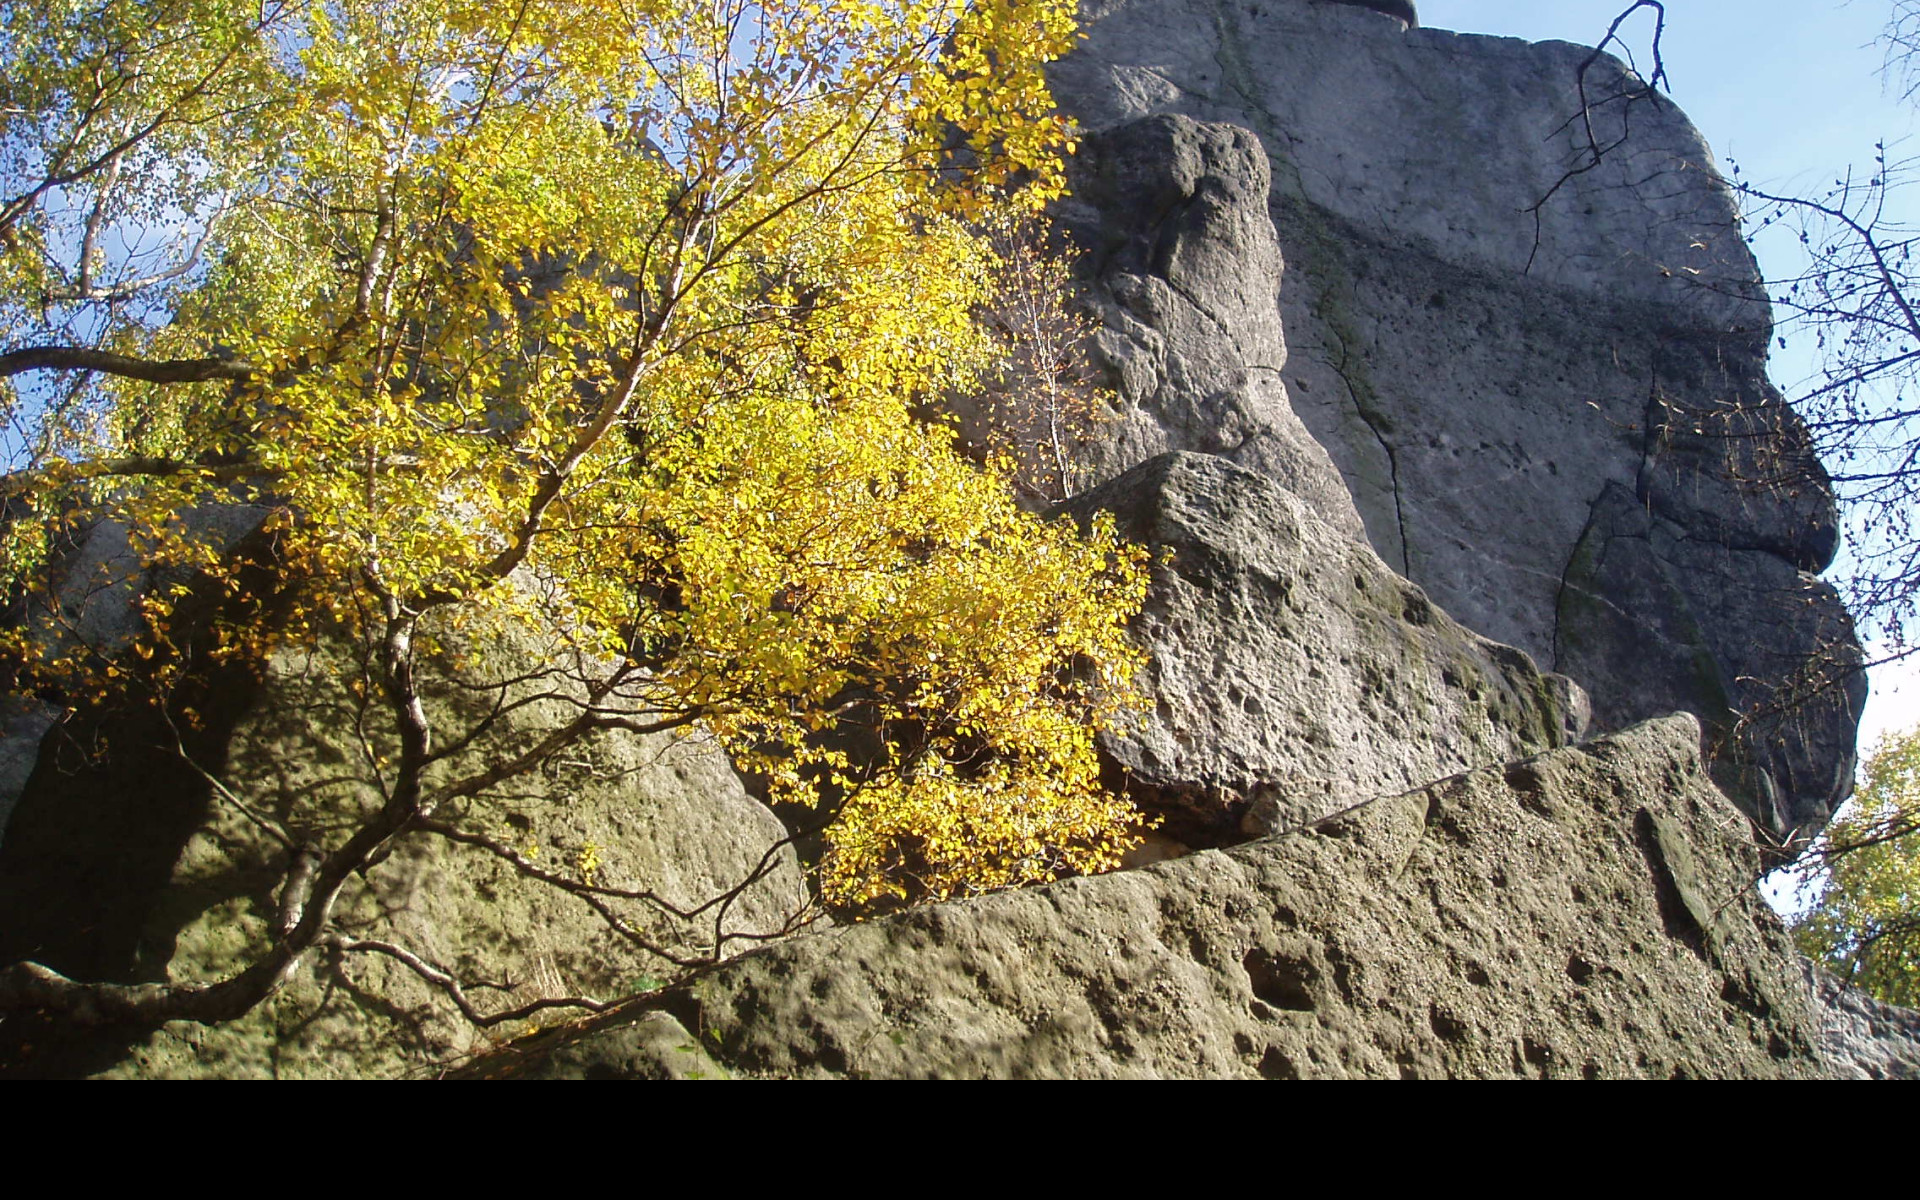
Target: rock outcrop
(1293,673)
(1171,216)
(1545,392)
(1586,913)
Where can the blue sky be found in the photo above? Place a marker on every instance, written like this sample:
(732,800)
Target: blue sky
(1791,91)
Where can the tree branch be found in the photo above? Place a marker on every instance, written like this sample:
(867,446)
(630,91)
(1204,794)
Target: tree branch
(21,482)
(80,358)
(447,983)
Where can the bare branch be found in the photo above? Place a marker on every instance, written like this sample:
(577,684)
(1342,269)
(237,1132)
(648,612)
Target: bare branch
(446,982)
(1593,149)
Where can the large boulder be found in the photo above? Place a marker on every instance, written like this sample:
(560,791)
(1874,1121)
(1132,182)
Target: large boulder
(124,862)
(1492,350)
(1292,672)
(1586,913)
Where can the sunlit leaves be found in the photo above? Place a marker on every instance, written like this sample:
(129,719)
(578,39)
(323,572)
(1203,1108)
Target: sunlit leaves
(1865,921)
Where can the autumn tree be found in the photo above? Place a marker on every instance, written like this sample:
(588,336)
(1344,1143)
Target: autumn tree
(1864,921)
(602,317)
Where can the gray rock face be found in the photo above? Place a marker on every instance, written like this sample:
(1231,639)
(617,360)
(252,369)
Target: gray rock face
(1644,599)
(128,868)
(23,723)
(1585,913)
(1490,384)
(1181,261)
(1293,672)
(1860,1037)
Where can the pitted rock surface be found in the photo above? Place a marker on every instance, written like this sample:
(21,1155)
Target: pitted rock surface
(1864,1038)
(1292,672)
(1587,913)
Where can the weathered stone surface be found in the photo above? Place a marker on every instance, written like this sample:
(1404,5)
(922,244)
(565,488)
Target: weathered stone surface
(1181,262)
(1293,672)
(1483,379)
(1860,1037)
(1433,140)
(653,1047)
(129,869)
(1590,912)
(1717,631)
(23,723)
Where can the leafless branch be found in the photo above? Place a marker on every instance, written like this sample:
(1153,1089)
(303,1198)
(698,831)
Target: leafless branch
(1594,148)
(446,982)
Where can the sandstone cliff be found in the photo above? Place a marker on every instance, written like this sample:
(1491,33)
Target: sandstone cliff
(1560,427)
(1436,492)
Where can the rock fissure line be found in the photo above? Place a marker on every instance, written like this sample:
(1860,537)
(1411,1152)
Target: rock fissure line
(1560,596)
(1373,423)
(1201,308)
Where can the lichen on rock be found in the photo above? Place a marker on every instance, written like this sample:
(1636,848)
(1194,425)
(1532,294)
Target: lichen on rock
(122,864)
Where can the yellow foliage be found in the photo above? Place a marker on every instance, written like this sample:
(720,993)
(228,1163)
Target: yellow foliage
(633,299)
(1863,922)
